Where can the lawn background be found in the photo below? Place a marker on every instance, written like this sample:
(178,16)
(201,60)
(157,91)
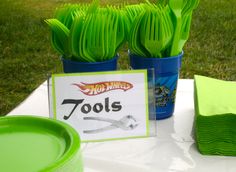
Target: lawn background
(26,56)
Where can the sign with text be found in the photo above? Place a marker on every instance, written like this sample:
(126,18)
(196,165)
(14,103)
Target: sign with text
(102,105)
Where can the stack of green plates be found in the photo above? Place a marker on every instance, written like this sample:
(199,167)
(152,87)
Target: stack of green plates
(215,116)
(33,144)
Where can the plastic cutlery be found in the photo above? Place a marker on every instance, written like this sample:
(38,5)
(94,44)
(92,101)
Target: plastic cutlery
(120,36)
(154,32)
(75,35)
(176,7)
(60,36)
(185,29)
(134,39)
(188,8)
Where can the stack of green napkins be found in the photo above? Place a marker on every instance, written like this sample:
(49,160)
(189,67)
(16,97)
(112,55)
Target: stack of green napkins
(215,116)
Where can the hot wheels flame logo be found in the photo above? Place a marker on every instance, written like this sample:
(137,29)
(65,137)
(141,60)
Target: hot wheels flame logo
(102,87)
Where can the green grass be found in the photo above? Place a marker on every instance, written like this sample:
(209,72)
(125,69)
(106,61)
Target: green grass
(26,56)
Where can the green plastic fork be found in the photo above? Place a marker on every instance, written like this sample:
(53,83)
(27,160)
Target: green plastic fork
(96,42)
(134,38)
(189,6)
(132,11)
(66,13)
(60,36)
(100,46)
(153,33)
(108,46)
(85,39)
(167,31)
(102,32)
(120,37)
(87,34)
(75,34)
(116,30)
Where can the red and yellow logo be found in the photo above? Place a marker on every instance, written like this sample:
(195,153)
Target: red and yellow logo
(102,87)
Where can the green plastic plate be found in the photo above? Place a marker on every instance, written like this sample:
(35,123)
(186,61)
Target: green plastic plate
(33,144)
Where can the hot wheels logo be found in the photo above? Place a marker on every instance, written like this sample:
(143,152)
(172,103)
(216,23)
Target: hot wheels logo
(102,87)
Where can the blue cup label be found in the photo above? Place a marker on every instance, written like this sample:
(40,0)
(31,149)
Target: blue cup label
(165,91)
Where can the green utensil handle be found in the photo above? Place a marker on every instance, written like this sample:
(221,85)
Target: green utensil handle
(186,24)
(176,38)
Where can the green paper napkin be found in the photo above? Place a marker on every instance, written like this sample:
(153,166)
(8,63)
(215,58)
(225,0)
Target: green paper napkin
(215,116)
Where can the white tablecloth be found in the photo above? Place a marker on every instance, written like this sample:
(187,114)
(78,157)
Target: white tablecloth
(173,149)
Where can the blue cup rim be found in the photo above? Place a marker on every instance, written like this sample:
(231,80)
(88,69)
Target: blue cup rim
(157,58)
(164,66)
(90,63)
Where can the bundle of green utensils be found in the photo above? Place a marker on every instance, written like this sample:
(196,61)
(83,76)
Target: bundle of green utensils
(88,33)
(160,30)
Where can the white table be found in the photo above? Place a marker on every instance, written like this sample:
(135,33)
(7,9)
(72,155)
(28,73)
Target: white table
(173,149)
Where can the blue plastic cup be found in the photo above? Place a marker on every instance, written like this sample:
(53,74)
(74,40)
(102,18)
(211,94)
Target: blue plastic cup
(166,77)
(70,66)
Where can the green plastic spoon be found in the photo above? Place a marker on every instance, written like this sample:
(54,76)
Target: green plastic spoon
(188,8)
(176,7)
(185,29)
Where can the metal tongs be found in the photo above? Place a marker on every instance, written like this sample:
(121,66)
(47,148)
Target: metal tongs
(127,122)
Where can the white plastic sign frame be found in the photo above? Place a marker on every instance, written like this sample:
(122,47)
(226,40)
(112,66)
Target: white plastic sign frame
(102,106)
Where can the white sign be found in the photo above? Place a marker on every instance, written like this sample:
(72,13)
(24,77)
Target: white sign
(103,105)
